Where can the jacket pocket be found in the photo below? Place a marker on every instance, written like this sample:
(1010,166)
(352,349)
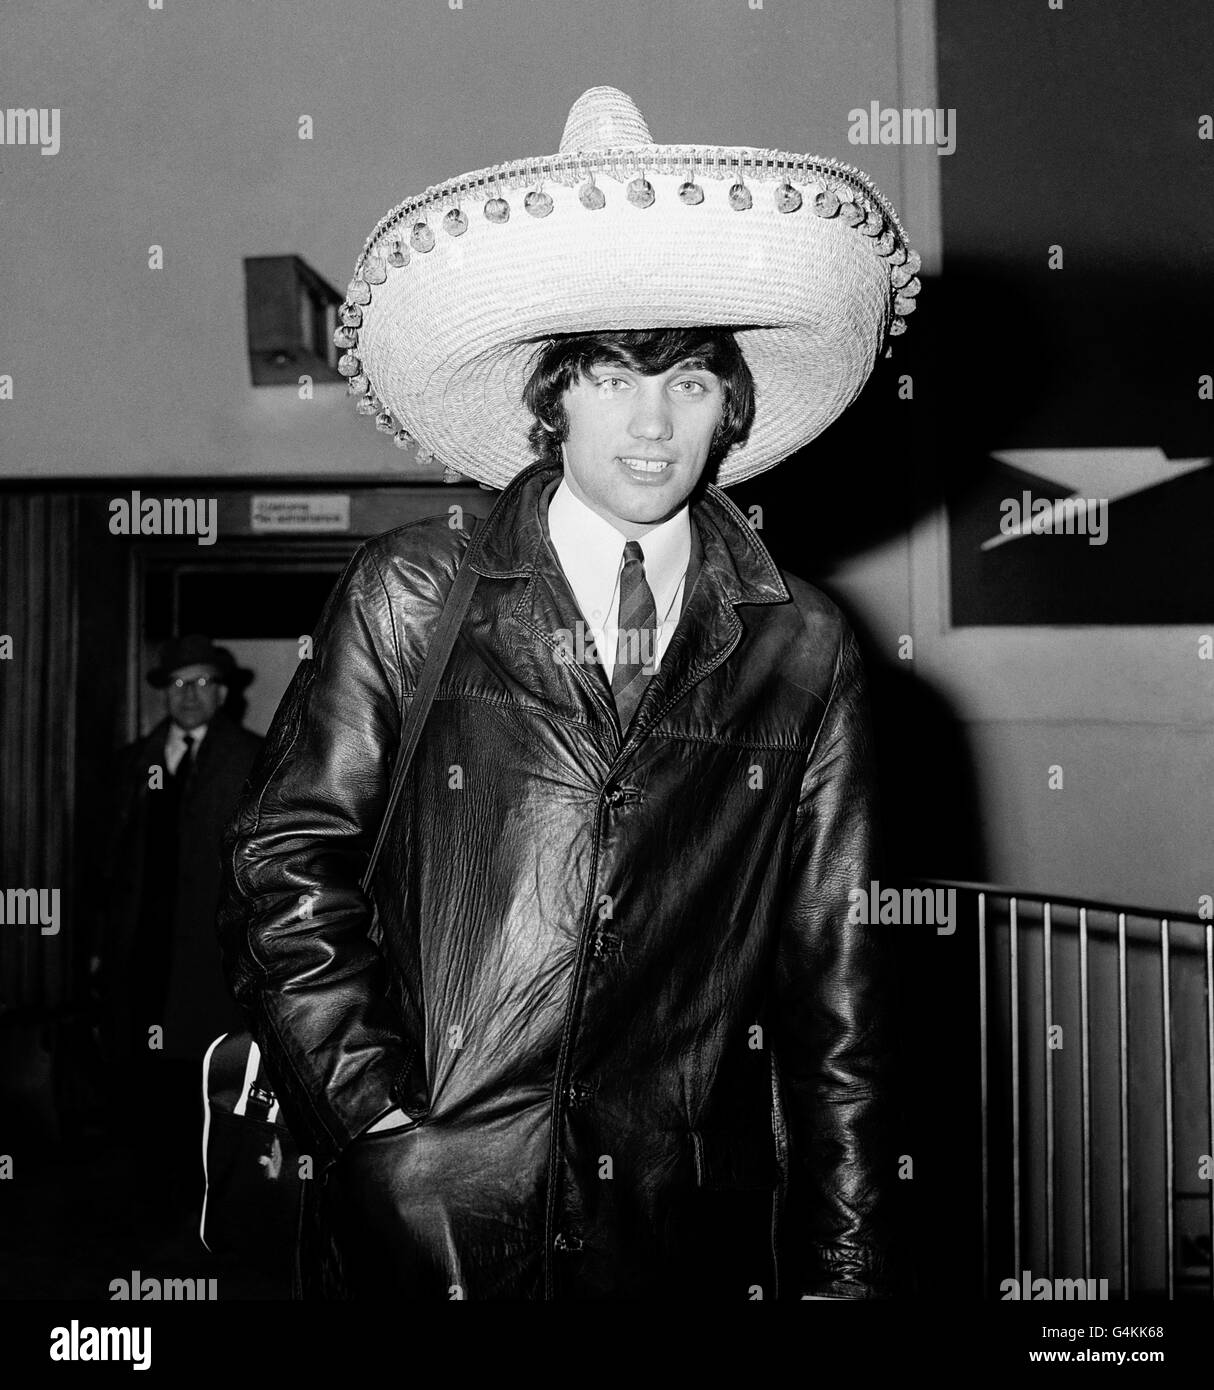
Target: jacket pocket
(735,1158)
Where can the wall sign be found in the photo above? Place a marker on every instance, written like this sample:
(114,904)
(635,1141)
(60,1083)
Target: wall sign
(311,512)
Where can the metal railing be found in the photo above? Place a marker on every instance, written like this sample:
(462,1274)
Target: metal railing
(1079,1150)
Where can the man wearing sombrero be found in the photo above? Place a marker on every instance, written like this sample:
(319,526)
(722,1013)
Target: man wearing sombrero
(613,1036)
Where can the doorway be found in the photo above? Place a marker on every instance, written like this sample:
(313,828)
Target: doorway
(257,605)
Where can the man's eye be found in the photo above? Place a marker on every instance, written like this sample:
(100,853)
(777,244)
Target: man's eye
(607,384)
(695,388)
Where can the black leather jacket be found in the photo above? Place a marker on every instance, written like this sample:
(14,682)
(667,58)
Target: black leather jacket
(612,976)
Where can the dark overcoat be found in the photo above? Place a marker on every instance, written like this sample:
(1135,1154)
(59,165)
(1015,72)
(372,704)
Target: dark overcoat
(612,977)
(189,998)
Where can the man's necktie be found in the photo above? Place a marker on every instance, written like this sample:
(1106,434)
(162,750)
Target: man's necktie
(636,642)
(187,765)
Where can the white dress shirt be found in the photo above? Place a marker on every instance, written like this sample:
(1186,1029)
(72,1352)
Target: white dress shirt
(591,552)
(174,745)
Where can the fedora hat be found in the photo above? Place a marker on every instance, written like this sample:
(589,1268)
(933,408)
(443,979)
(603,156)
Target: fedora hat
(459,288)
(194,650)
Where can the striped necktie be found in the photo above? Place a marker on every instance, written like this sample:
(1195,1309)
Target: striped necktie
(636,641)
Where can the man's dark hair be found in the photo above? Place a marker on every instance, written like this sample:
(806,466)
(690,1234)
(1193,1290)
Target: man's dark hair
(563,361)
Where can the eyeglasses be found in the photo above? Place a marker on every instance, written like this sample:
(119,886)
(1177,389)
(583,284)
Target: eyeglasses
(197,682)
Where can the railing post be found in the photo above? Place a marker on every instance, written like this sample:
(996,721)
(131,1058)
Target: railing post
(1123,1083)
(1014,969)
(984,1100)
(1209,932)
(1085,1062)
(1169,1177)
(1048,1014)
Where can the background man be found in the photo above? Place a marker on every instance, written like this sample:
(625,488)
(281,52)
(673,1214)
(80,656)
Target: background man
(174,791)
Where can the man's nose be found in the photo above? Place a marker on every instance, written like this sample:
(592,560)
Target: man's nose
(651,416)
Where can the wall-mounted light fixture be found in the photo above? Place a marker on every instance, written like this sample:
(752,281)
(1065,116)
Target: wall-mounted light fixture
(291,313)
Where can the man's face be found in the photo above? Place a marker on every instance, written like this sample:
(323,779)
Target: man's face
(191,704)
(637,444)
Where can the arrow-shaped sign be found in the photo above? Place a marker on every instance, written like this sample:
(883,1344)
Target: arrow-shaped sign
(1085,478)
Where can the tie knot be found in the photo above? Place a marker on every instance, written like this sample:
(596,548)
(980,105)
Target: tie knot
(633,553)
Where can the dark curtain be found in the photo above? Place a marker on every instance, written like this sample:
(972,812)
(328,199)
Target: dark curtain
(38,612)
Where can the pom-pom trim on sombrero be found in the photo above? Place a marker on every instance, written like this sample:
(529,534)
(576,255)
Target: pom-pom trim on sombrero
(626,165)
(797,186)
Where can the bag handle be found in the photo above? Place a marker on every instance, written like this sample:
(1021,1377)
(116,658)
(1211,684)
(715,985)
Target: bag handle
(441,643)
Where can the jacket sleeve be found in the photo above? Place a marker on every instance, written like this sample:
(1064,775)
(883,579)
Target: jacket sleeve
(293,921)
(831,1018)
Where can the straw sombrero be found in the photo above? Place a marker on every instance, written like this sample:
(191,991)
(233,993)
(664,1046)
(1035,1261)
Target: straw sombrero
(457,289)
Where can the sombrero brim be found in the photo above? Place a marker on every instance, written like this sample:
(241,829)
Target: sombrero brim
(808,264)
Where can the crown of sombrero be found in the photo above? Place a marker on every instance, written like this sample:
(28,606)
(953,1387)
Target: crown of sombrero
(458,288)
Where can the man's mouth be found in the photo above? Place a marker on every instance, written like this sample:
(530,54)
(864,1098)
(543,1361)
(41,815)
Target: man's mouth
(644,465)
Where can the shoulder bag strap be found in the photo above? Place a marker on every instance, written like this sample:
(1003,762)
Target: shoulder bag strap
(441,643)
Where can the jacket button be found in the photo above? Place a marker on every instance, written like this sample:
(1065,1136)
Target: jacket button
(604,944)
(579,1092)
(567,1244)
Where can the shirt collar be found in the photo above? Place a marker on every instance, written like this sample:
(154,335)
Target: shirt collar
(510,542)
(177,734)
(591,550)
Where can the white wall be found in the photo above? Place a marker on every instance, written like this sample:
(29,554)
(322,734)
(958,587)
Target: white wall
(179,128)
